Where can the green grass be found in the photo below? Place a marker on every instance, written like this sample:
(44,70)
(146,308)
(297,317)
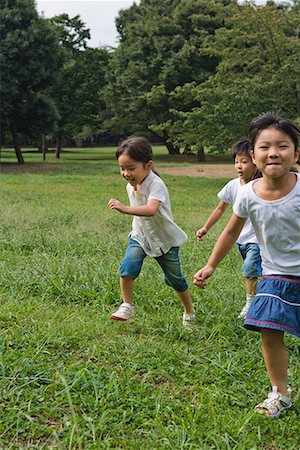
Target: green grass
(73,379)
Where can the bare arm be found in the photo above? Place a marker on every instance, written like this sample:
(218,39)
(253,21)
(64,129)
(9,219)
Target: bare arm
(223,245)
(213,218)
(146,210)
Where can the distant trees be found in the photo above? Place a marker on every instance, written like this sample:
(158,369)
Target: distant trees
(30,57)
(189,74)
(77,89)
(82,106)
(259,70)
(198,76)
(160,51)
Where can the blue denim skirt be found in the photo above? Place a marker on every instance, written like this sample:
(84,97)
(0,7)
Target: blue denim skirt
(276,305)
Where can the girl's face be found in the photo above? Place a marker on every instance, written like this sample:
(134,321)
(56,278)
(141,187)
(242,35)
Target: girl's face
(244,166)
(274,152)
(133,171)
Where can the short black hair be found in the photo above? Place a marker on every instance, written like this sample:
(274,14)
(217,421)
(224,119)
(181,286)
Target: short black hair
(241,146)
(274,120)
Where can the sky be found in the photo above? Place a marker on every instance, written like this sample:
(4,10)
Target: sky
(98,16)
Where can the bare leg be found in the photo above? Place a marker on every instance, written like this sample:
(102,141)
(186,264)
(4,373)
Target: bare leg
(251,286)
(276,358)
(127,286)
(186,300)
(250,295)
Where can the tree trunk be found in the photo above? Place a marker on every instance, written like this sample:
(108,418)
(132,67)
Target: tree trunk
(200,154)
(172,149)
(44,147)
(58,144)
(187,149)
(14,132)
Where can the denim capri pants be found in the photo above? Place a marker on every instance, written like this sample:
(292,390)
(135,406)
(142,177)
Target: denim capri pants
(252,260)
(169,262)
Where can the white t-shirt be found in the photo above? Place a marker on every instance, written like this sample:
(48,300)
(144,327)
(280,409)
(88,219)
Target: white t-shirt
(156,234)
(277,227)
(228,194)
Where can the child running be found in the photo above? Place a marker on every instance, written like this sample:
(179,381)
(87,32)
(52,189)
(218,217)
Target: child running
(273,205)
(154,232)
(247,241)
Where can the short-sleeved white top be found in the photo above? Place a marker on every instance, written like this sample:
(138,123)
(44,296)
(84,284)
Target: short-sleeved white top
(228,194)
(156,234)
(277,227)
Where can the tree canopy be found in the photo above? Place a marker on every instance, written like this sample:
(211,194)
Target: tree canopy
(188,74)
(30,56)
(77,90)
(259,70)
(160,50)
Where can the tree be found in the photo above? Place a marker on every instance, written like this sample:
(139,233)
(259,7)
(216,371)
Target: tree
(84,109)
(73,38)
(30,57)
(259,70)
(72,32)
(160,51)
(78,90)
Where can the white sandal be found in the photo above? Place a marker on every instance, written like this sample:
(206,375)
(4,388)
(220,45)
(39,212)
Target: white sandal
(274,404)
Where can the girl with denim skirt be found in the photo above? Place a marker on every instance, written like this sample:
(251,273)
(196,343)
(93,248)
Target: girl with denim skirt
(154,232)
(273,205)
(247,241)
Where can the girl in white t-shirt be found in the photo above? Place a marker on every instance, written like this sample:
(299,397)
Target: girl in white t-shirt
(273,205)
(154,232)
(247,241)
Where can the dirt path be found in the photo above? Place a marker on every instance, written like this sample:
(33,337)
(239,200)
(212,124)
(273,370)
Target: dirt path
(204,170)
(200,170)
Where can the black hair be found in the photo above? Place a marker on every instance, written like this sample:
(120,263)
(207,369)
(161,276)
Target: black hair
(137,148)
(274,120)
(243,146)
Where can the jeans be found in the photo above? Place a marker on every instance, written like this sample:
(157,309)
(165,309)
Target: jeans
(169,262)
(252,260)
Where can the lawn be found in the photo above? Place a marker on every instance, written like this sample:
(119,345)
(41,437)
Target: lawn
(73,379)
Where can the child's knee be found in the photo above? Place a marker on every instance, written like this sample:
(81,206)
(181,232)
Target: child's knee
(129,269)
(178,284)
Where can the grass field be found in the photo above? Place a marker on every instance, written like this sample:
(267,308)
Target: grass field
(73,379)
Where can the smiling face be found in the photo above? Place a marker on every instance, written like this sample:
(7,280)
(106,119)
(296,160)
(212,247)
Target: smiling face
(244,166)
(133,171)
(274,152)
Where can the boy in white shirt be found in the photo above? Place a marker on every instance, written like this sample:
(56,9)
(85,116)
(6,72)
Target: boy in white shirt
(247,241)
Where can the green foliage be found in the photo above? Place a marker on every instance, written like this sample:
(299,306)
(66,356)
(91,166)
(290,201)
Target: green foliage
(30,58)
(259,70)
(164,79)
(189,74)
(70,377)
(79,85)
(79,92)
(72,32)
(160,50)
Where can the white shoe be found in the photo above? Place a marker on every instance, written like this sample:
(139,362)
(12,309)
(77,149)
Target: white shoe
(124,312)
(275,403)
(244,312)
(188,321)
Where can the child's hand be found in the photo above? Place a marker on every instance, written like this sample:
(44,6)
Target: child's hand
(200,233)
(202,274)
(115,204)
